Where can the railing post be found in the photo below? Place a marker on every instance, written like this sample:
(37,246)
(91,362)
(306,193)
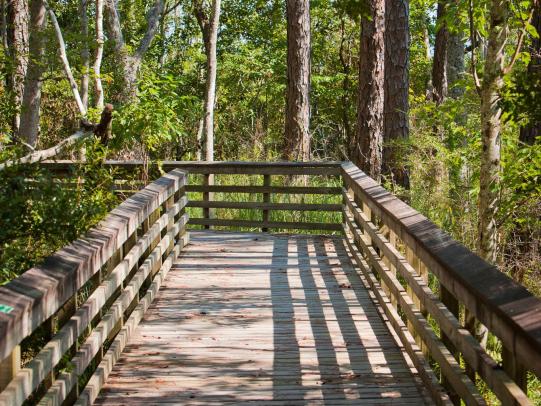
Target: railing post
(207,197)
(514,369)
(266,199)
(9,367)
(450,301)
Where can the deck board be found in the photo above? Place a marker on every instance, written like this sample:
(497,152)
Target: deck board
(262,319)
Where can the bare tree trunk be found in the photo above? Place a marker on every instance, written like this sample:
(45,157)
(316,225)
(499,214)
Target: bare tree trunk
(439,65)
(30,112)
(210,93)
(455,63)
(297,119)
(396,106)
(345,60)
(65,61)
(17,38)
(491,128)
(100,40)
(532,130)
(85,53)
(366,149)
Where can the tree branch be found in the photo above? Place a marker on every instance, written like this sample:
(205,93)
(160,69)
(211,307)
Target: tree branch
(64,59)
(101,130)
(520,41)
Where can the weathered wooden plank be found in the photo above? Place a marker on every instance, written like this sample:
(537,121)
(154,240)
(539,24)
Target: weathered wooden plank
(304,190)
(248,168)
(508,310)
(40,292)
(314,334)
(266,206)
(268,224)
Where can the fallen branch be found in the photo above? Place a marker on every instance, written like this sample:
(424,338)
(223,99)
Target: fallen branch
(101,130)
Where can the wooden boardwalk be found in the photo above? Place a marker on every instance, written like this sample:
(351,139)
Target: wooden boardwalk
(266,319)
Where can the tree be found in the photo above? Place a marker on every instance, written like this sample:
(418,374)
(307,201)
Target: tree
(396,103)
(130,64)
(491,114)
(209,30)
(31,102)
(366,149)
(100,40)
(297,118)
(17,41)
(439,62)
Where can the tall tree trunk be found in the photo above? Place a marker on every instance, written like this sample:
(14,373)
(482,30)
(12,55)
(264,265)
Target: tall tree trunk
(439,64)
(366,149)
(491,128)
(210,93)
(455,63)
(529,132)
(297,118)
(30,113)
(17,36)
(100,40)
(396,106)
(85,53)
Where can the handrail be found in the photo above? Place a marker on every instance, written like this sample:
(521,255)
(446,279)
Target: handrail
(506,308)
(137,240)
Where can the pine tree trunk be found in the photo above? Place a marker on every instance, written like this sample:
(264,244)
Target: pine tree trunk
(366,149)
(532,130)
(455,64)
(439,64)
(210,94)
(17,38)
(396,106)
(491,128)
(297,119)
(30,111)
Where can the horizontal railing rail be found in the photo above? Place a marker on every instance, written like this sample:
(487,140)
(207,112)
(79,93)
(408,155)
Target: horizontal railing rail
(87,298)
(398,248)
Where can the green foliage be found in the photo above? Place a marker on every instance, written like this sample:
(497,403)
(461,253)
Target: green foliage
(39,215)
(156,116)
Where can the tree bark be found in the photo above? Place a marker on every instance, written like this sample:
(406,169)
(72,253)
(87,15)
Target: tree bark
(396,105)
(366,149)
(491,128)
(455,64)
(532,130)
(85,53)
(439,64)
(100,40)
(297,118)
(17,39)
(210,93)
(30,111)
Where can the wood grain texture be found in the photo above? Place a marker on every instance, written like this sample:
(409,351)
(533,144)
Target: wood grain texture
(262,319)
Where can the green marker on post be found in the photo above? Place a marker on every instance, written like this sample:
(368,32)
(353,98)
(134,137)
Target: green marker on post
(5,308)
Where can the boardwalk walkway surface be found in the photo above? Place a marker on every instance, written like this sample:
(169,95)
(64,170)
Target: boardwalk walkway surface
(268,319)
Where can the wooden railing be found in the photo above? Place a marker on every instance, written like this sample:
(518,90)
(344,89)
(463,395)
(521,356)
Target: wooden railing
(433,290)
(402,256)
(85,300)
(264,193)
